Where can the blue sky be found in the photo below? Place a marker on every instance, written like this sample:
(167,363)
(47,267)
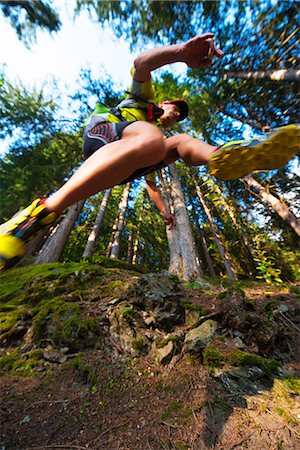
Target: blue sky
(81,43)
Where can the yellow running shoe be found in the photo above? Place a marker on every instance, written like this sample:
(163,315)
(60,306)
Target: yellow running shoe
(20,230)
(271,151)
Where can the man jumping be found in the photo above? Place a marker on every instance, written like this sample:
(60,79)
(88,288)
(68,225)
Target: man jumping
(125,143)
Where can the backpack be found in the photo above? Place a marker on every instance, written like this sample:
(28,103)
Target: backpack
(153,111)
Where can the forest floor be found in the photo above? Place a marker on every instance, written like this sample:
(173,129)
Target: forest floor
(82,387)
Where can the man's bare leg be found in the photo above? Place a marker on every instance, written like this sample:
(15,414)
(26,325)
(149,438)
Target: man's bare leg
(141,145)
(193,151)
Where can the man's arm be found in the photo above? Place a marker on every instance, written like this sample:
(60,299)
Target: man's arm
(156,197)
(196,53)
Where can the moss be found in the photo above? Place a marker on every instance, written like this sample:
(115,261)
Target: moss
(54,310)
(85,370)
(139,344)
(103,261)
(74,326)
(21,363)
(269,366)
(7,361)
(191,360)
(9,319)
(179,445)
(287,418)
(191,306)
(216,357)
(292,383)
(212,357)
(271,306)
(161,387)
(165,341)
(127,310)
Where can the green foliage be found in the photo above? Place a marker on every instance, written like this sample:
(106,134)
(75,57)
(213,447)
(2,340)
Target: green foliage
(267,271)
(26,16)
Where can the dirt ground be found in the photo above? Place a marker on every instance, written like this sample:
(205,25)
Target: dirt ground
(133,405)
(104,399)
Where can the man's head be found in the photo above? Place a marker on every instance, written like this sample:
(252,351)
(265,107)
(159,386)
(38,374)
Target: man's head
(174,111)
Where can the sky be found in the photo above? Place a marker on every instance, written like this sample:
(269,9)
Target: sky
(79,44)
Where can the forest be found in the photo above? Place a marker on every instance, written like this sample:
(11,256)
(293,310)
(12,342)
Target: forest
(234,250)
(242,229)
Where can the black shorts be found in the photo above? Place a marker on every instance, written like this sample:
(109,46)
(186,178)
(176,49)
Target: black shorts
(106,132)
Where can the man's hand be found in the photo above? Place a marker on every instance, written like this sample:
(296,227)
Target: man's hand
(169,219)
(199,51)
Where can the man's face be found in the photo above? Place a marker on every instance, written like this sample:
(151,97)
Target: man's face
(171,114)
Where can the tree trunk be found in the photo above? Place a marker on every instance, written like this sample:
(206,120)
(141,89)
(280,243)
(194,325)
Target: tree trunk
(55,244)
(114,228)
(214,230)
(256,125)
(90,245)
(276,75)
(184,261)
(115,249)
(137,236)
(279,207)
(231,212)
(203,242)
(129,248)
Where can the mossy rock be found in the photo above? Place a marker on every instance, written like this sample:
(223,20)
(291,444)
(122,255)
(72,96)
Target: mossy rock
(220,356)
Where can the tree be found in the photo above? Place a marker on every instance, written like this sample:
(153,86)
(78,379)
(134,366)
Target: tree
(115,248)
(55,244)
(277,75)
(26,16)
(27,111)
(281,209)
(184,261)
(90,245)
(216,234)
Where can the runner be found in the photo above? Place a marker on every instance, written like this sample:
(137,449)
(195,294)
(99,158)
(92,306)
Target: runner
(125,143)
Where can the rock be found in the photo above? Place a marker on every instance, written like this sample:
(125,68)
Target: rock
(192,318)
(165,353)
(168,314)
(244,380)
(54,355)
(233,310)
(154,288)
(158,295)
(197,338)
(283,308)
(238,342)
(149,318)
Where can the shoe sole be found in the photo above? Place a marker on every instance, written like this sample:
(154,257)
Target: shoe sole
(237,161)
(7,244)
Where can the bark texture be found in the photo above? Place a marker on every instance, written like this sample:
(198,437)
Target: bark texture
(115,249)
(277,75)
(91,242)
(55,244)
(184,261)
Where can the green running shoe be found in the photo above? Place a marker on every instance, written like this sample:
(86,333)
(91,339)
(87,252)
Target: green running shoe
(21,229)
(271,151)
